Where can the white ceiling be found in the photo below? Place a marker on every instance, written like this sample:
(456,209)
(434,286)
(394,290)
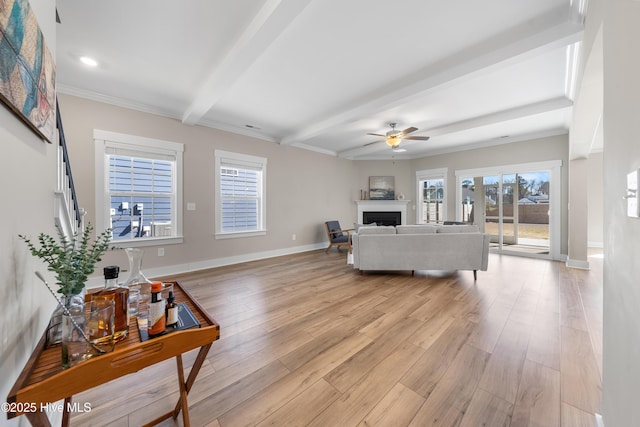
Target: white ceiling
(320,74)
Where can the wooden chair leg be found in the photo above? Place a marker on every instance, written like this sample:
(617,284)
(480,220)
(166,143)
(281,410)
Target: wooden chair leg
(475,275)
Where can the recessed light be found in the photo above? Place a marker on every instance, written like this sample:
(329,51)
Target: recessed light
(88,61)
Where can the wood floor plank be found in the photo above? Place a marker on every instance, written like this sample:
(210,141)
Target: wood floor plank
(393,315)
(290,327)
(302,409)
(574,417)
(268,400)
(504,369)
(360,399)
(488,410)
(581,385)
(448,403)
(429,369)
(490,326)
(215,405)
(432,330)
(396,408)
(331,337)
(544,343)
(571,310)
(538,401)
(349,372)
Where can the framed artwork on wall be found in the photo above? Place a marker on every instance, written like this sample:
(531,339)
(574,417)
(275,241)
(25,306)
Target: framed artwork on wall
(381,187)
(27,69)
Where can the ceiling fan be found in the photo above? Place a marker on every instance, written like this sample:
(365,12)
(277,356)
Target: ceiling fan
(393,137)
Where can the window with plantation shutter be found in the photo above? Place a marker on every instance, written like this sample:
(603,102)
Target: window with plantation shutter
(240,194)
(140,180)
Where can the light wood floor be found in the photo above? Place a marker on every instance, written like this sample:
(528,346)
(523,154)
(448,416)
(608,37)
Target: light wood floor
(306,340)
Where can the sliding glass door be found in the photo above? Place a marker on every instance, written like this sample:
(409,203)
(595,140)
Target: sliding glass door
(514,205)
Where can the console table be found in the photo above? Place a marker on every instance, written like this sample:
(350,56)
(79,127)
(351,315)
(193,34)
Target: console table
(43,380)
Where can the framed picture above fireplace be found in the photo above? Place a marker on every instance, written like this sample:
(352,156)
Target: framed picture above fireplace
(381,188)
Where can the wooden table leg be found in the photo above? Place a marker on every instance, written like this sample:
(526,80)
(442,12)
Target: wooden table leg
(65,412)
(183,392)
(185,387)
(38,418)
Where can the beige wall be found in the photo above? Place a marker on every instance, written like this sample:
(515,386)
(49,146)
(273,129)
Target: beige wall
(399,169)
(304,189)
(537,150)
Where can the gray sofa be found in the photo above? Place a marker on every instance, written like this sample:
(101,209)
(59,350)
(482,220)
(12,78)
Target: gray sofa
(421,247)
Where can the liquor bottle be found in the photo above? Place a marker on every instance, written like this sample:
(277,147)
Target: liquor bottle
(120,296)
(156,310)
(172,311)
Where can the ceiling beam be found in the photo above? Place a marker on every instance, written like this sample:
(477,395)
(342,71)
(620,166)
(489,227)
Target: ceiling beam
(560,28)
(270,21)
(475,122)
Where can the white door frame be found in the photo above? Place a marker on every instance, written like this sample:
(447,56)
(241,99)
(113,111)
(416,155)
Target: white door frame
(422,175)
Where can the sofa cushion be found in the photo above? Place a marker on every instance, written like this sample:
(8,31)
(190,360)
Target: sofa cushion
(458,229)
(356,226)
(385,229)
(417,229)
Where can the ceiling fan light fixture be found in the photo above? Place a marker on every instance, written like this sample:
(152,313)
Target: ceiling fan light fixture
(393,141)
(399,150)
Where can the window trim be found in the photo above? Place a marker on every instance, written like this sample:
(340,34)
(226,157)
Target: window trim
(440,173)
(102,140)
(253,162)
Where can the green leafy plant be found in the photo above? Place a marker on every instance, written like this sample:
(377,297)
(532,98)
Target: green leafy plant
(72,260)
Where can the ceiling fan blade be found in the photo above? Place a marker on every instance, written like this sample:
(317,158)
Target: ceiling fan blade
(371,143)
(416,138)
(408,130)
(376,134)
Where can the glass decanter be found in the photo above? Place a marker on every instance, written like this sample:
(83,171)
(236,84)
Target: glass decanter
(137,279)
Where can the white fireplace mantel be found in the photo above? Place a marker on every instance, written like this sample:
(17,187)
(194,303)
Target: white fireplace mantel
(383,206)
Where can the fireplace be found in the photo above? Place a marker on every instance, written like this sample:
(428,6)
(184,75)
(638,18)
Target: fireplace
(382,218)
(378,210)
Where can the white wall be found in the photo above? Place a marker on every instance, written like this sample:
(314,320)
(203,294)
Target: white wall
(28,173)
(595,204)
(621,360)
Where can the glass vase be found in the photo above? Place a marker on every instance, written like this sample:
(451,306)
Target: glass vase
(54,329)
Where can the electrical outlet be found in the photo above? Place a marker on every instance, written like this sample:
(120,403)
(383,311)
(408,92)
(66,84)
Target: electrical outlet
(293,237)
(160,251)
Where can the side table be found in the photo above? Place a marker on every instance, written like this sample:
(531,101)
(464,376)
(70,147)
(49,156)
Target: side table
(43,380)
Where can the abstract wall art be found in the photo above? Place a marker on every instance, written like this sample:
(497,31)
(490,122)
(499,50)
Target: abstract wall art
(27,69)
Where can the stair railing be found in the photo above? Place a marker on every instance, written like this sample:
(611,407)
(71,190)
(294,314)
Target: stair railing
(69,216)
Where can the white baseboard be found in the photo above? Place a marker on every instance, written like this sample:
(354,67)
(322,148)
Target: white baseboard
(599,421)
(98,281)
(574,263)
